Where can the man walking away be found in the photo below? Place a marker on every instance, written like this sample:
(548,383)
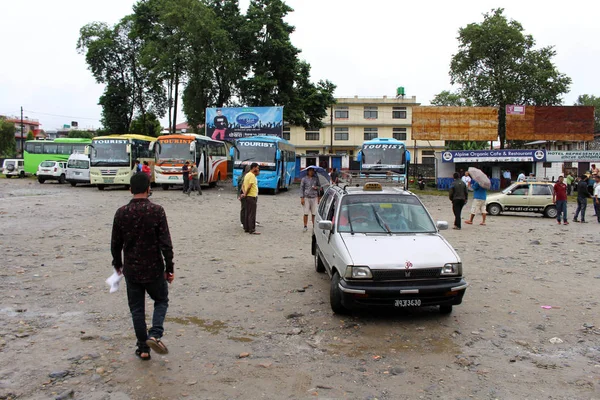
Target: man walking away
(479,197)
(194,181)
(559,197)
(458,197)
(309,193)
(250,193)
(582,196)
(141,232)
(186,176)
(597,197)
(240,183)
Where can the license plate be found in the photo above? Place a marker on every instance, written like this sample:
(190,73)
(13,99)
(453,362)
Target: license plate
(173,178)
(77,173)
(408,303)
(109,180)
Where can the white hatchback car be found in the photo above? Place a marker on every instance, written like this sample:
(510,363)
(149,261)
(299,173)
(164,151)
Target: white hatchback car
(52,170)
(381,248)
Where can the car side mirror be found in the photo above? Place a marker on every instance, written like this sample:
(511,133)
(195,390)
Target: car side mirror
(326,225)
(442,225)
(509,192)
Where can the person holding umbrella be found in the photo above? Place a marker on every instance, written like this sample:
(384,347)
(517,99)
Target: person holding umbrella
(479,184)
(309,193)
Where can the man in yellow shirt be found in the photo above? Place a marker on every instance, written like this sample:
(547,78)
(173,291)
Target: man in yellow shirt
(250,193)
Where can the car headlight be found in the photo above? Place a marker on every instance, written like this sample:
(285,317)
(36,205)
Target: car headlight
(356,272)
(452,269)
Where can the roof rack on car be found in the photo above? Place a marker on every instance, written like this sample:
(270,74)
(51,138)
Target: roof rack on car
(360,178)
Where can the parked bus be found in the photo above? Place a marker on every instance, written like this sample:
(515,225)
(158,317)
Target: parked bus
(37,151)
(275,156)
(112,158)
(172,151)
(379,156)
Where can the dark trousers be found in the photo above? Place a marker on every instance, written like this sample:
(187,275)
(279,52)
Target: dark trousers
(243,212)
(186,184)
(457,206)
(581,206)
(597,209)
(136,296)
(250,225)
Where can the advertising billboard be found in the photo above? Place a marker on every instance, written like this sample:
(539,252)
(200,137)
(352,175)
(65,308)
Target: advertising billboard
(473,156)
(455,123)
(242,122)
(572,123)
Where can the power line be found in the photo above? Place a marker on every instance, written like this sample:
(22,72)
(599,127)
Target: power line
(62,116)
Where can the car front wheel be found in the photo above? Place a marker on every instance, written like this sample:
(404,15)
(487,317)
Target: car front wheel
(335,295)
(550,212)
(446,309)
(494,209)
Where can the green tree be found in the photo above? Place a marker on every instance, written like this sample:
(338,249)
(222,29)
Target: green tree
(497,64)
(8,143)
(80,134)
(591,100)
(30,136)
(448,98)
(149,126)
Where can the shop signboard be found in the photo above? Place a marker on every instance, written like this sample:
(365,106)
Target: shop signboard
(474,156)
(573,156)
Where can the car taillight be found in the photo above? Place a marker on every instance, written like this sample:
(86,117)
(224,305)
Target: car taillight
(55,169)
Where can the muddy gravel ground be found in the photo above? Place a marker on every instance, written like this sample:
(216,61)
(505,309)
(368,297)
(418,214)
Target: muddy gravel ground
(63,335)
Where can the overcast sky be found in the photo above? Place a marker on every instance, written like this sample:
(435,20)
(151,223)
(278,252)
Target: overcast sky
(367,48)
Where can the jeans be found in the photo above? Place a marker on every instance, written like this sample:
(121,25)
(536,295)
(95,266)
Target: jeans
(136,296)
(581,206)
(561,208)
(457,206)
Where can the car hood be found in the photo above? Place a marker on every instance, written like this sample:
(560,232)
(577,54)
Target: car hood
(494,197)
(388,252)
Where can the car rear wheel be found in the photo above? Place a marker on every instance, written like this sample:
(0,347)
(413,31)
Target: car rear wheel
(494,209)
(446,309)
(62,179)
(40,180)
(550,212)
(73,184)
(22,174)
(319,266)
(335,295)
(8,176)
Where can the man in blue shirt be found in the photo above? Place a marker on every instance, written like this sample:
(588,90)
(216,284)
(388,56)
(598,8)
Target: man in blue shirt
(479,197)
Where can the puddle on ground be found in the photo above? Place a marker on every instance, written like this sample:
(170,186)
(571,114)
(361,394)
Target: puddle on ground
(397,345)
(213,327)
(240,339)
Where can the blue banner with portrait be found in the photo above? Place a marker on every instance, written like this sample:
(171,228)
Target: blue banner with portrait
(230,123)
(507,155)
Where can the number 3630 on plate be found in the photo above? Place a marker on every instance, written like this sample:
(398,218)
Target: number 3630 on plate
(407,303)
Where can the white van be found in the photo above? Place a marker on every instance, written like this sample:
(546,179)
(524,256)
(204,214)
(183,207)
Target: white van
(13,167)
(78,169)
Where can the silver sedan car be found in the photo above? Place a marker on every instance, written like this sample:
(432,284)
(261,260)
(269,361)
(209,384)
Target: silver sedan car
(381,247)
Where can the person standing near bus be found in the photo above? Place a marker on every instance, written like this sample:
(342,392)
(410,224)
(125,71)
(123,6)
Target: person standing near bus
(221,125)
(137,167)
(194,181)
(142,251)
(146,170)
(250,193)
(186,176)
(242,200)
(309,196)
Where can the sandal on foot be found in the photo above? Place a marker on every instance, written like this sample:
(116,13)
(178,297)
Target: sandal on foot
(156,345)
(139,353)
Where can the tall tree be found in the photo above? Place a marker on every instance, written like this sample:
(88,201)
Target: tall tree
(591,100)
(8,143)
(448,98)
(80,134)
(497,65)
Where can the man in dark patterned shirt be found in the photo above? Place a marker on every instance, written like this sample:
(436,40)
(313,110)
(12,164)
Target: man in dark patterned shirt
(141,232)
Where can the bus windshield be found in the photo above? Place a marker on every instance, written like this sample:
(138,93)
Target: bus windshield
(262,153)
(174,151)
(385,155)
(111,152)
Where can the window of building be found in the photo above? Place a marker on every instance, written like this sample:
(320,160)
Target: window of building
(370,112)
(312,135)
(370,133)
(341,113)
(341,134)
(399,112)
(399,133)
(428,157)
(286,133)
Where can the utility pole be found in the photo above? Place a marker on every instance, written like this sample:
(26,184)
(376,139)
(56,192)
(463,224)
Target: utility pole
(22,139)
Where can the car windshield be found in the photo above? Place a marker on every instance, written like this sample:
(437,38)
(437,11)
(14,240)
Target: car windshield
(47,164)
(384,213)
(78,164)
(171,150)
(262,153)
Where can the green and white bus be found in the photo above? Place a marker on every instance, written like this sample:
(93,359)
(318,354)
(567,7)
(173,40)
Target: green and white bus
(112,158)
(37,151)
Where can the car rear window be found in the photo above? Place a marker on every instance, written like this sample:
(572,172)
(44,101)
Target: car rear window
(47,164)
(78,164)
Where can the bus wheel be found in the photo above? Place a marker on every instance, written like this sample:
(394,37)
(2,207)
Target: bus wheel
(101,187)
(165,186)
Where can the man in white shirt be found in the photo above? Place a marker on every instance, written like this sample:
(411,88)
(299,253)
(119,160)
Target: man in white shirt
(521,177)
(507,177)
(467,180)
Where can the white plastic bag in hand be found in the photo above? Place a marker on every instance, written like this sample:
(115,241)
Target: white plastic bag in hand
(113,281)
